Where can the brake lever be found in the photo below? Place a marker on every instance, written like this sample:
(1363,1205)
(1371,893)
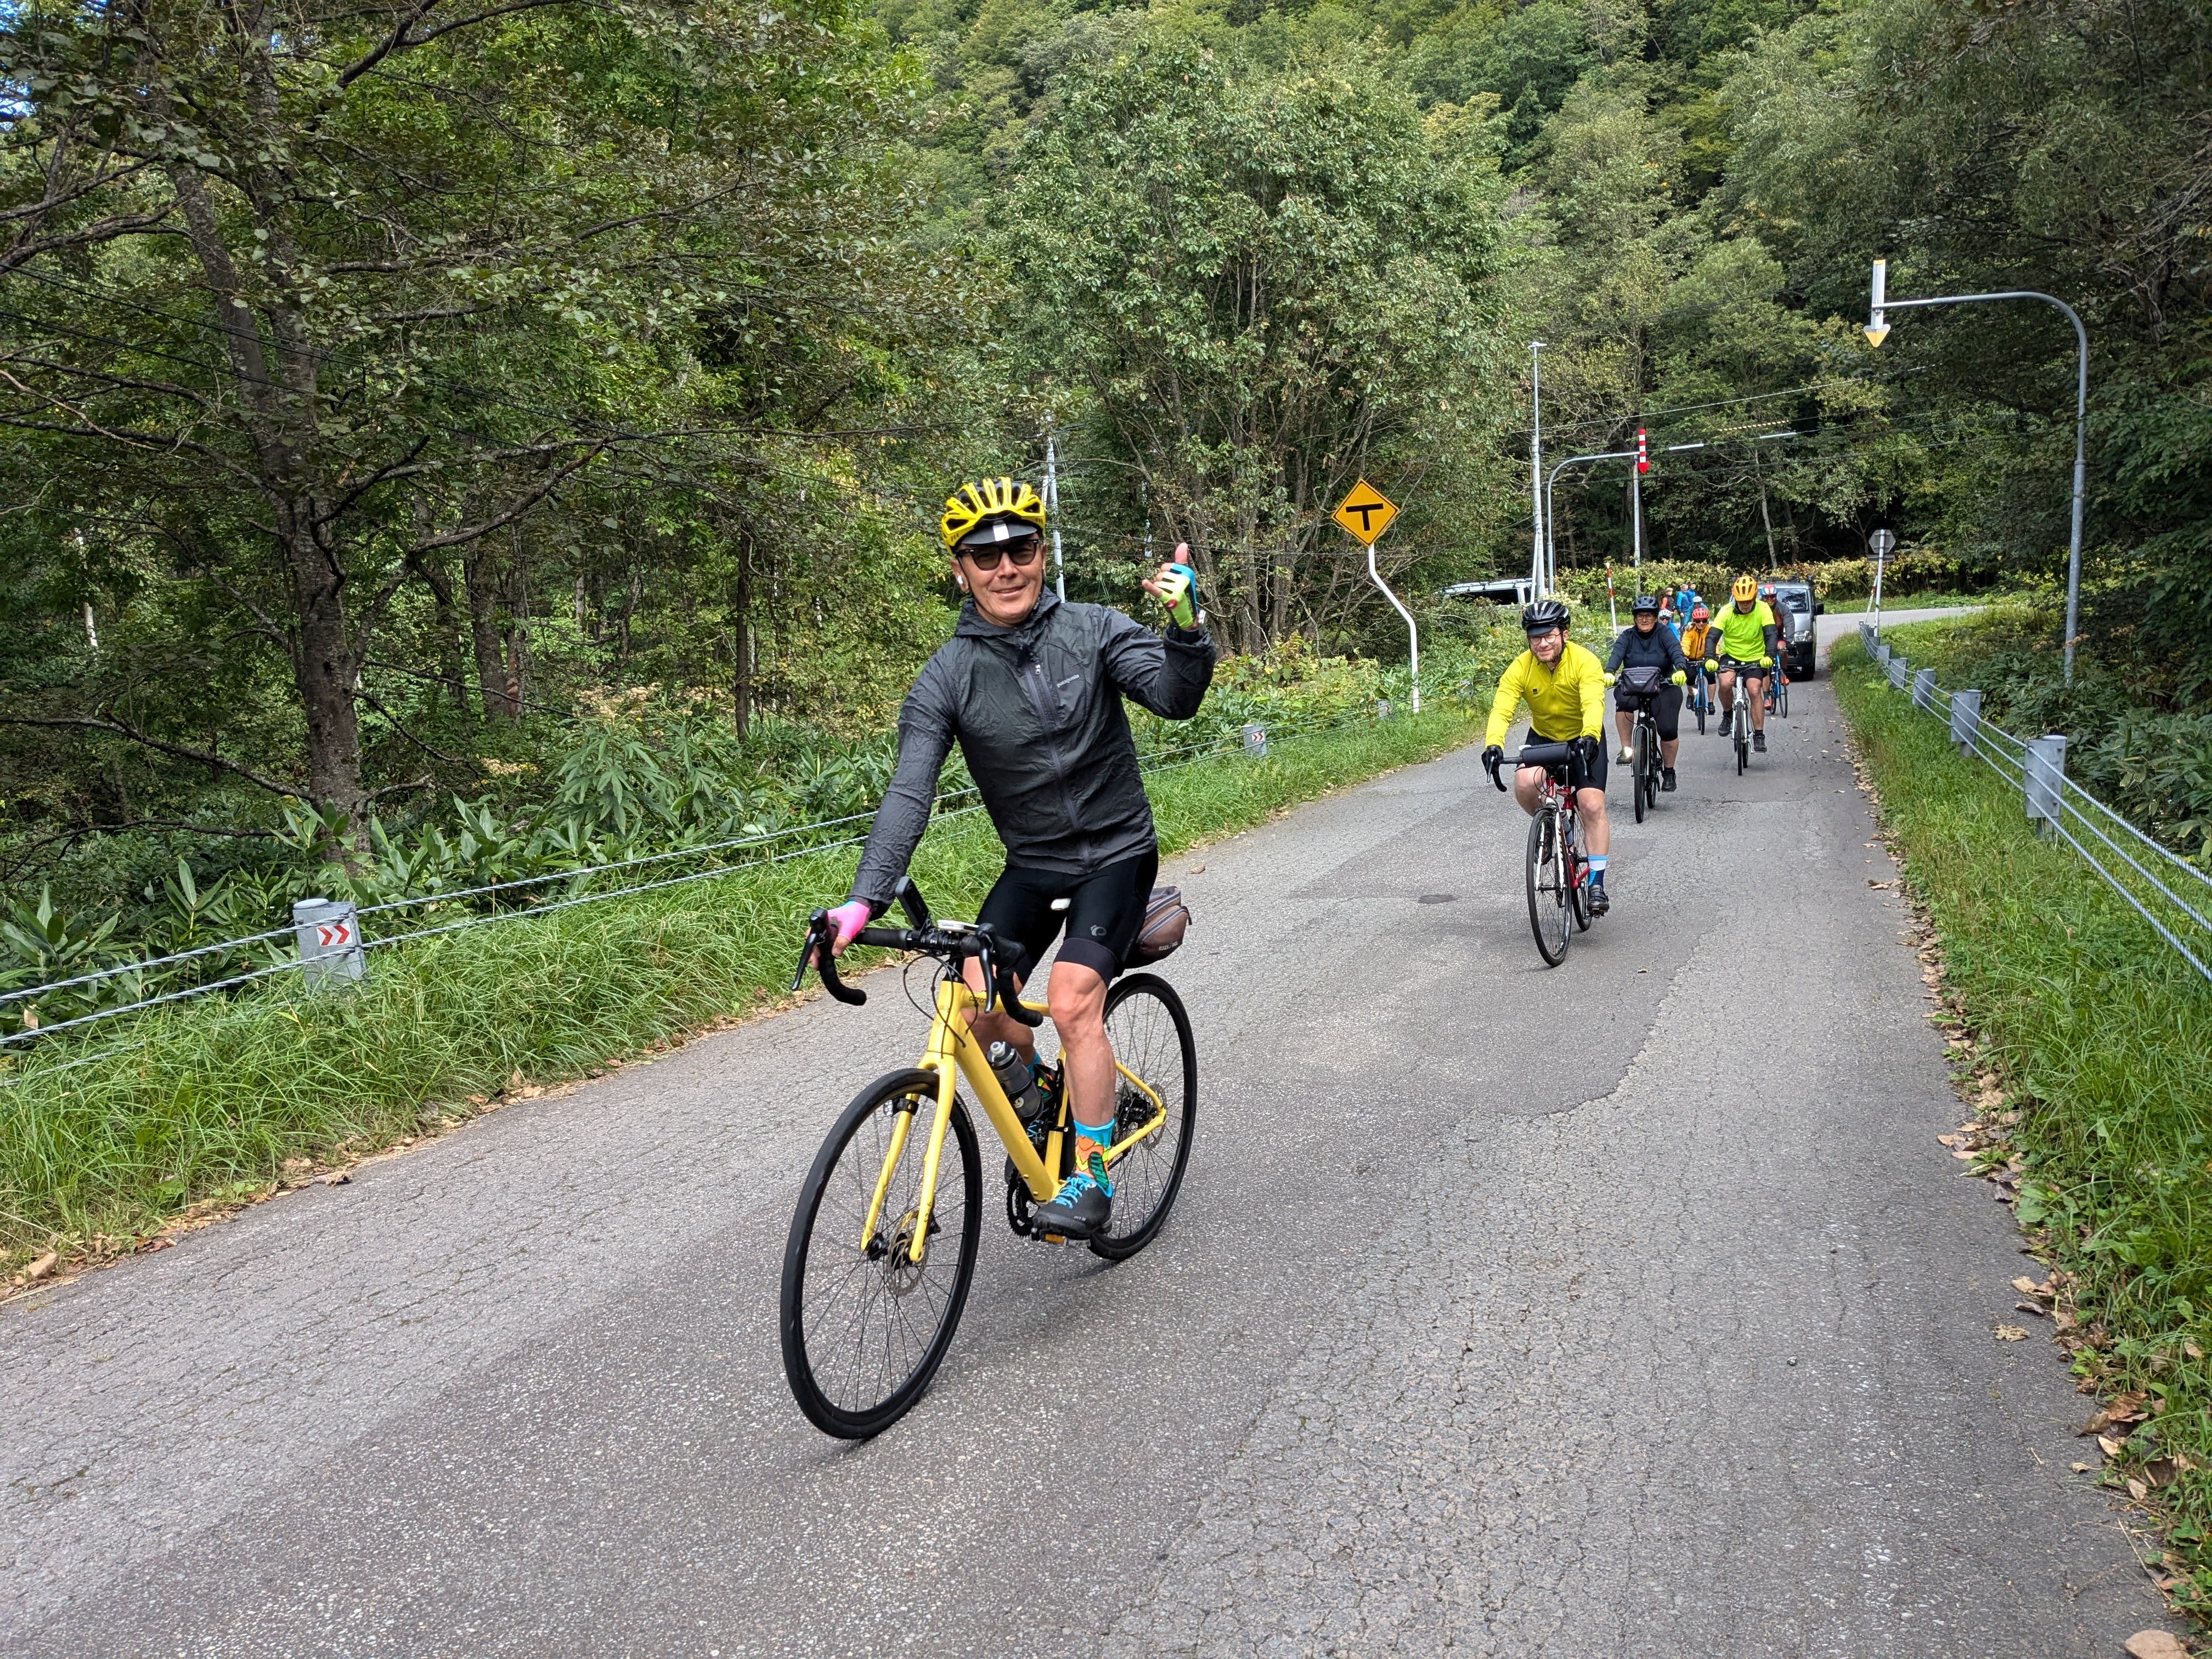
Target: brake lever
(999,985)
(819,937)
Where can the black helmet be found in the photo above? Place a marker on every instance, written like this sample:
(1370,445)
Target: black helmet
(1644,602)
(1544,616)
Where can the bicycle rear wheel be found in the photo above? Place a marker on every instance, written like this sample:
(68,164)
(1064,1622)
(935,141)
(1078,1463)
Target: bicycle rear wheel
(864,1326)
(1152,1037)
(1548,879)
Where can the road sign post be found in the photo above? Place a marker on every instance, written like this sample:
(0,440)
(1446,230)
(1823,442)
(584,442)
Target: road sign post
(329,942)
(1882,541)
(1365,513)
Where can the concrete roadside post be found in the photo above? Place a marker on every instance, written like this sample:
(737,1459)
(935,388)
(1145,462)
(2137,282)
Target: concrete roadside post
(1924,689)
(1899,668)
(1966,716)
(2045,775)
(329,942)
(1255,742)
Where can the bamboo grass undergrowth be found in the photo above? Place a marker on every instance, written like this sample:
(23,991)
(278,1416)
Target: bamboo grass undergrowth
(2100,1032)
(219,1095)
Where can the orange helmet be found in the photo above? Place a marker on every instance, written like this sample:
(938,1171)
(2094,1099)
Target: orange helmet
(1745,589)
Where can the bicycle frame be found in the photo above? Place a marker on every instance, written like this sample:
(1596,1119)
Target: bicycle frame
(952,1052)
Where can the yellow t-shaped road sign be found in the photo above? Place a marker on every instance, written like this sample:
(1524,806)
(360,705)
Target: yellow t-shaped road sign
(1365,512)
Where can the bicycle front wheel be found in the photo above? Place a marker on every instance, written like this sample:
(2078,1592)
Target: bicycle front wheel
(1641,752)
(1782,700)
(1548,882)
(1151,1041)
(865,1326)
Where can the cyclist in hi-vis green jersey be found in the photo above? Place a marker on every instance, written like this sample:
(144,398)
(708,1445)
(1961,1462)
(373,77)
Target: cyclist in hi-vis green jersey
(1741,644)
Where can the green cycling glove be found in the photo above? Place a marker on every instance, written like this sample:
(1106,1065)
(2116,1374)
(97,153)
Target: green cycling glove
(1181,581)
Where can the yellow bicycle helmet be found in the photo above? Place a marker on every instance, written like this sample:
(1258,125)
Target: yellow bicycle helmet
(1745,591)
(991,510)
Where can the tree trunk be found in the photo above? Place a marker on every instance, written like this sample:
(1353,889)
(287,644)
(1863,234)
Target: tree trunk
(480,576)
(322,669)
(741,641)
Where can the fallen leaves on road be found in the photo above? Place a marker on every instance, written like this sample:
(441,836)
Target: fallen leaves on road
(2011,1333)
(2155,1644)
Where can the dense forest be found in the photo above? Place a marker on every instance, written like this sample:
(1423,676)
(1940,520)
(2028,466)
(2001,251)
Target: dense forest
(412,404)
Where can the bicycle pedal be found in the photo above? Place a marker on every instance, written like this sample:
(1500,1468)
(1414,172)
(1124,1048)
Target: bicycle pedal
(1053,1238)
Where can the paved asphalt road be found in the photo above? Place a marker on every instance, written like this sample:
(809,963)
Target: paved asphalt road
(1506,1311)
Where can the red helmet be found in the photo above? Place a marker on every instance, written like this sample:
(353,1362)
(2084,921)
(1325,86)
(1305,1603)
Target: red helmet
(1698,613)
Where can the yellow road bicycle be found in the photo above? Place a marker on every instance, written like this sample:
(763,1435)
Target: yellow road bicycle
(883,1244)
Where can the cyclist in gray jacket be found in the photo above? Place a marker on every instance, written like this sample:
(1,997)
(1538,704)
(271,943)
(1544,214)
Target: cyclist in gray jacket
(1031,688)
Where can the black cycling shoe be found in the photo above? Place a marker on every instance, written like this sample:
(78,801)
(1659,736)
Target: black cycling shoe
(1759,743)
(1599,904)
(1079,1210)
(1725,721)
(1667,781)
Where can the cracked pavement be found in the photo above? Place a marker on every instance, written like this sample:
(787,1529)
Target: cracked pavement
(1505,1310)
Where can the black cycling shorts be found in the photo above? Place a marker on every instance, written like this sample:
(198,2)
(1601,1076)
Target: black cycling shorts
(1666,708)
(1105,911)
(1581,774)
(1744,671)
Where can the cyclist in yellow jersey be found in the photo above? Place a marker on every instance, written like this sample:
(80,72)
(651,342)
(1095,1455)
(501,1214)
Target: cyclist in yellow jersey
(1741,645)
(1564,687)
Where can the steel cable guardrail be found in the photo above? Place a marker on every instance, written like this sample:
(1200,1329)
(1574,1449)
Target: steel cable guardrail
(2036,768)
(1229,743)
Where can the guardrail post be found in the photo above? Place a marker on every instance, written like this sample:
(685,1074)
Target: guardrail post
(1966,714)
(1924,689)
(329,942)
(2045,777)
(1867,638)
(1882,653)
(1255,741)
(1898,670)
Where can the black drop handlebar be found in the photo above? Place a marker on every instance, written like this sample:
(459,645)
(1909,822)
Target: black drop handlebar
(954,943)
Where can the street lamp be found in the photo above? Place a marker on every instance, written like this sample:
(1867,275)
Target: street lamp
(1536,464)
(1877,330)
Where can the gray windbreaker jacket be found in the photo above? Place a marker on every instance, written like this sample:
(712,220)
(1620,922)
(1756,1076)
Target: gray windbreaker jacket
(1036,710)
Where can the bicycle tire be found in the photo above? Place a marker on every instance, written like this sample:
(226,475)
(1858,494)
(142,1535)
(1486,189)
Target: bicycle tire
(1742,738)
(1782,700)
(1701,711)
(1147,1178)
(826,1365)
(1547,890)
(1640,757)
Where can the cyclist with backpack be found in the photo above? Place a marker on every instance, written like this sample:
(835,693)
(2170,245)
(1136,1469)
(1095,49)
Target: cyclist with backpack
(1031,688)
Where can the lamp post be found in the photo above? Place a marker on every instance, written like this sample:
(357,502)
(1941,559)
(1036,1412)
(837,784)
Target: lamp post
(1550,554)
(1536,465)
(1877,330)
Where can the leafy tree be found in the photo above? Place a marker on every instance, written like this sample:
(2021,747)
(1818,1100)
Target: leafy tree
(1264,286)
(309,301)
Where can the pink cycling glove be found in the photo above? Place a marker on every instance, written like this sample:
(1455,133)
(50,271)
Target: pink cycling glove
(846,921)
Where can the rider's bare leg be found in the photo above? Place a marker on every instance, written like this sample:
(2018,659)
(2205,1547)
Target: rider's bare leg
(1075,996)
(1626,724)
(1528,788)
(1757,701)
(1727,689)
(1597,830)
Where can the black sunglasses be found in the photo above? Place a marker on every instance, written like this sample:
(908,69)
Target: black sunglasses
(1022,553)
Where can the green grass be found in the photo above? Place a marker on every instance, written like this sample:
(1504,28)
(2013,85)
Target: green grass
(223,1092)
(2100,1034)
